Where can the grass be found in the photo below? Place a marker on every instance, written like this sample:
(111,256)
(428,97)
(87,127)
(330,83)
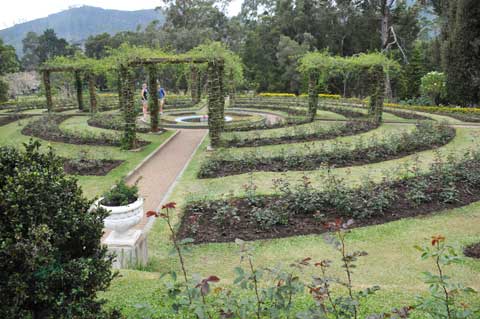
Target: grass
(92,185)
(393,263)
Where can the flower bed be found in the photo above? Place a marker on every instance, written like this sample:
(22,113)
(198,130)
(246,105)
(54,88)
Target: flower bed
(89,167)
(425,136)
(316,133)
(47,128)
(112,122)
(7,119)
(473,250)
(301,209)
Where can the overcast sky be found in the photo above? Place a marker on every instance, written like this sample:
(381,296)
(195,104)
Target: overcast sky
(17,11)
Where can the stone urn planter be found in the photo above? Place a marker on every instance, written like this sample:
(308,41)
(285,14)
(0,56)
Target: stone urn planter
(123,218)
(129,245)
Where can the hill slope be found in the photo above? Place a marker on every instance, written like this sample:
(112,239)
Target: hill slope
(76,24)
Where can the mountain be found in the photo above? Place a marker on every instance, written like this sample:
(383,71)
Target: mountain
(77,24)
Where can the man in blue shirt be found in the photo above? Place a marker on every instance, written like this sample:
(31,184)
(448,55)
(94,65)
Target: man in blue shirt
(161,97)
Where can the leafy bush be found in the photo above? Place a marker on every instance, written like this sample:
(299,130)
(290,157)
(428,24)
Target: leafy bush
(434,86)
(51,261)
(121,195)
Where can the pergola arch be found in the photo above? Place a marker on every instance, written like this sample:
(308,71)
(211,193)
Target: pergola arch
(77,71)
(374,65)
(216,99)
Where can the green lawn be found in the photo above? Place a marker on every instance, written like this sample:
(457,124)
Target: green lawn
(92,185)
(393,263)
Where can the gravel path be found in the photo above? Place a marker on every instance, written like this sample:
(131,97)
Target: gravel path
(161,171)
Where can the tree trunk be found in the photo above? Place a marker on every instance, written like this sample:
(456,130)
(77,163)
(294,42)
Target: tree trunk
(384,33)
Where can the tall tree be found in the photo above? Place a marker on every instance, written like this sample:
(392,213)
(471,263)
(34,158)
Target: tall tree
(38,49)
(463,53)
(8,63)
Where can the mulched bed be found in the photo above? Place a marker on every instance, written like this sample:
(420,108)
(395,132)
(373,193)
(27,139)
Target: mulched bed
(209,231)
(369,155)
(473,251)
(348,113)
(47,128)
(408,115)
(347,129)
(106,122)
(90,167)
(4,120)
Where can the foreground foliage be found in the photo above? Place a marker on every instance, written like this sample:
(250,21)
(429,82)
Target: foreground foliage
(51,261)
(274,291)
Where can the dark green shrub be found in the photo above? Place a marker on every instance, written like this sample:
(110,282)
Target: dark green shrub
(51,261)
(120,195)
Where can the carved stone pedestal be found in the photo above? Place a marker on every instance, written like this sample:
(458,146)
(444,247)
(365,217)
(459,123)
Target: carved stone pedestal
(130,248)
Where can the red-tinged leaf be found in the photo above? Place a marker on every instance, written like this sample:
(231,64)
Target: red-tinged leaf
(213,278)
(170,205)
(151,213)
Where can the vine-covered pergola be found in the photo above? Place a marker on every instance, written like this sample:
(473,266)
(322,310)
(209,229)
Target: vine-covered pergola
(216,98)
(372,66)
(79,72)
(120,65)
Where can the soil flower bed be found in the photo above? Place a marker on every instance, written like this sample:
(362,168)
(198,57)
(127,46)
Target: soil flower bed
(473,250)
(425,136)
(90,167)
(4,120)
(346,129)
(301,209)
(47,128)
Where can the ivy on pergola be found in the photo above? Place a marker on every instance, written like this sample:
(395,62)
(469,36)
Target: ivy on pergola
(216,99)
(374,66)
(77,71)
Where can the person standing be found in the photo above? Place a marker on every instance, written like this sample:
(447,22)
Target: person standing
(144,97)
(161,97)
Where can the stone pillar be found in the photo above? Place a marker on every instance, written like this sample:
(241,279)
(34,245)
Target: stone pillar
(79,88)
(48,90)
(153,97)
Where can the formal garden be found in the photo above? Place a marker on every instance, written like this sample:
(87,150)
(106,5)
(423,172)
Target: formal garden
(234,202)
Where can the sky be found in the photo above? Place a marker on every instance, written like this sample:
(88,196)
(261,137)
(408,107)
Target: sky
(18,11)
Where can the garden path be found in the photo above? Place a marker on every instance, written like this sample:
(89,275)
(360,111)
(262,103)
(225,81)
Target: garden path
(160,172)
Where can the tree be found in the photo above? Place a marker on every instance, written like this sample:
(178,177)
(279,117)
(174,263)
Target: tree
(463,53)
(96,45)
(412,74)
(51,261)
(433,86)
(38,49)
(288,52)
(8,63)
